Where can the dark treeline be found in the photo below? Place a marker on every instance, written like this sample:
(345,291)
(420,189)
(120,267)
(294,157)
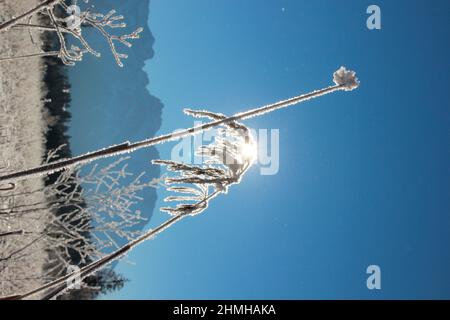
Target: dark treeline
(57,114)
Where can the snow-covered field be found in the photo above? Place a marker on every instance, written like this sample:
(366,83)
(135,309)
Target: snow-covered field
(22,129)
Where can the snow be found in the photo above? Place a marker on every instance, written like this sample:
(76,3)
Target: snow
(22,124)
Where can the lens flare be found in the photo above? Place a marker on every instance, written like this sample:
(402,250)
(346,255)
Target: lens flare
(249,151)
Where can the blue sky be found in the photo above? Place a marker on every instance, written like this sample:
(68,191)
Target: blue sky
(363,177)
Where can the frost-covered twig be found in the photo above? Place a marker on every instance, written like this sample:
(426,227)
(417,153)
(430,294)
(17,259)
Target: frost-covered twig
(98,203)
(225,162)
(344,80)
(97,265)
(101,263)
(86,214)
(61,26)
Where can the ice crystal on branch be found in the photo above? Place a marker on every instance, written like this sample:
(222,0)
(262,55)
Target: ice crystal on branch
(346,78)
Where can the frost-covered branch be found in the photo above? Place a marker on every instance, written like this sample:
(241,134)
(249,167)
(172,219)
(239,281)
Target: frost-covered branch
(225,162)
(344,81)
(62,22)
(85,215)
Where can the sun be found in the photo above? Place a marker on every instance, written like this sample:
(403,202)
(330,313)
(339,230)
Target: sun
(249,151)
